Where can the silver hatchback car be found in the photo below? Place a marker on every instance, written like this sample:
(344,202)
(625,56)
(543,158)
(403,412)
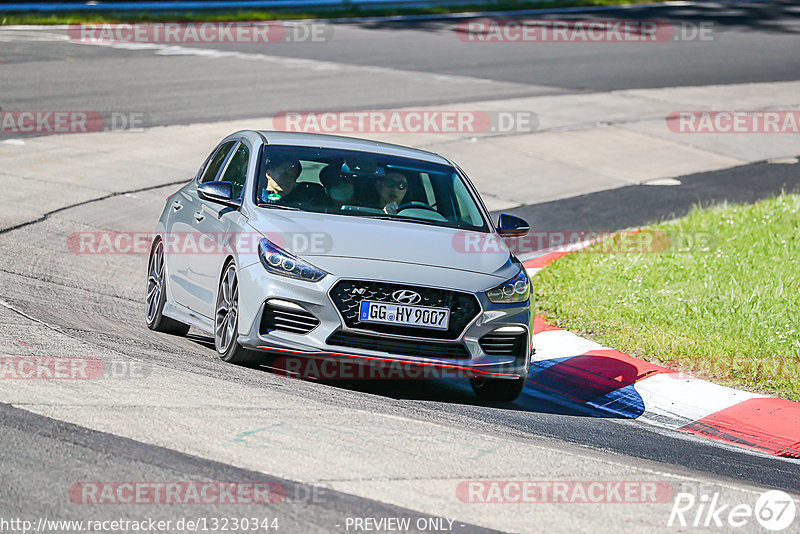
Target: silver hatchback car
(336,248)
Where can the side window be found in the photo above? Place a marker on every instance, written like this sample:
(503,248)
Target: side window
(236,173)
(216,162)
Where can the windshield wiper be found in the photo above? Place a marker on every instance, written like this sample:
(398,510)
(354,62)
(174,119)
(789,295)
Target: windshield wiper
(280,207)
(389,217)
(407,219)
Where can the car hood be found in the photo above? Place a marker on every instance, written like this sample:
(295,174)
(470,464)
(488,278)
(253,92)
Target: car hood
(318,235)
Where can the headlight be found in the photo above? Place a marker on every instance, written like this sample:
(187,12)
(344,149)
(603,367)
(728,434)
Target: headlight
(518,289)
(278,261)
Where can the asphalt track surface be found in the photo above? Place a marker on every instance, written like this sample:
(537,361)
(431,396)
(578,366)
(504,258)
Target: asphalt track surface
(68,447)
(104,311)
(750,43)
(395,64)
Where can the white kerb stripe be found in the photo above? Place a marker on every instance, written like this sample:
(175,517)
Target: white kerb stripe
(675,399)
(561,344)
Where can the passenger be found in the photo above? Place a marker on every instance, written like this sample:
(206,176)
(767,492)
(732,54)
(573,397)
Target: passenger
(281,174)
(392,190)
(339,186)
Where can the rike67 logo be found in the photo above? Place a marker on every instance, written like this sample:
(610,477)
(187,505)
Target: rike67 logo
(774,510)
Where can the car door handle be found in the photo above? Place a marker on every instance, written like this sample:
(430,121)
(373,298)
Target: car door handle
(176,205)
(198,215)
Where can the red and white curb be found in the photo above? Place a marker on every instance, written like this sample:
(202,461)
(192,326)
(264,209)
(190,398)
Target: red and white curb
(573,371)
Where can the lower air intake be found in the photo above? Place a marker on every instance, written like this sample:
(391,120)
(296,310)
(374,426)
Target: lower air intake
(287,317)
(404,347)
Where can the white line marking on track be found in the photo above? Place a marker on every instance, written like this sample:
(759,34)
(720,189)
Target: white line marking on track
(299,63)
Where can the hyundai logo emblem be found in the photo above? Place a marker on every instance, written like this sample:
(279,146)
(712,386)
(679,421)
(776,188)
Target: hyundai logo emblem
(406,296)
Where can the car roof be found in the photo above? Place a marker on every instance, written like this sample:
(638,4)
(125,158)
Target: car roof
(349,143)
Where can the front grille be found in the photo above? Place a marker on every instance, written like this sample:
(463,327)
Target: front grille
(503,344)
(348,294)
(404,347)
(287,319)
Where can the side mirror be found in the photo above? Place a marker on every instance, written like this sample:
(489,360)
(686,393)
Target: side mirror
(219,192)
(512,226)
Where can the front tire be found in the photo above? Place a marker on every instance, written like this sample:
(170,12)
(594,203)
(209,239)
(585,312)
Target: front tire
(226,320)
(156,295)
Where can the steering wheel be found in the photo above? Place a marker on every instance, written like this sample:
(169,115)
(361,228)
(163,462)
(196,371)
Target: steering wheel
(415,204)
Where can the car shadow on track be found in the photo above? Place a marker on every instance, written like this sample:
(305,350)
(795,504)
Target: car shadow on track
(454,391)
(582,386)
(589,385)
(200,339)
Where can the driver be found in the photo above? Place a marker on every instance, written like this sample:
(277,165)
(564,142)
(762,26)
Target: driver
(392,189)
(281,174)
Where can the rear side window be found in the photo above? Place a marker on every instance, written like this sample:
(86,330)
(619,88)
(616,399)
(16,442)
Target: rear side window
(236,173)
(216,162)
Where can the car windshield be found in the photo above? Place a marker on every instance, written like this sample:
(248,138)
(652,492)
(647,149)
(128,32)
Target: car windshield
(363,184)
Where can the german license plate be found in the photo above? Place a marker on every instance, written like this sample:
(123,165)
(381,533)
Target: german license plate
(404,315)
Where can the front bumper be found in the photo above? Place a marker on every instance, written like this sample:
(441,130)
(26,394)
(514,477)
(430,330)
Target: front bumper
(331,338)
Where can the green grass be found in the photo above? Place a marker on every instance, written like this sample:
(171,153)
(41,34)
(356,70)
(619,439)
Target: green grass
(285,14)
(725,307)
